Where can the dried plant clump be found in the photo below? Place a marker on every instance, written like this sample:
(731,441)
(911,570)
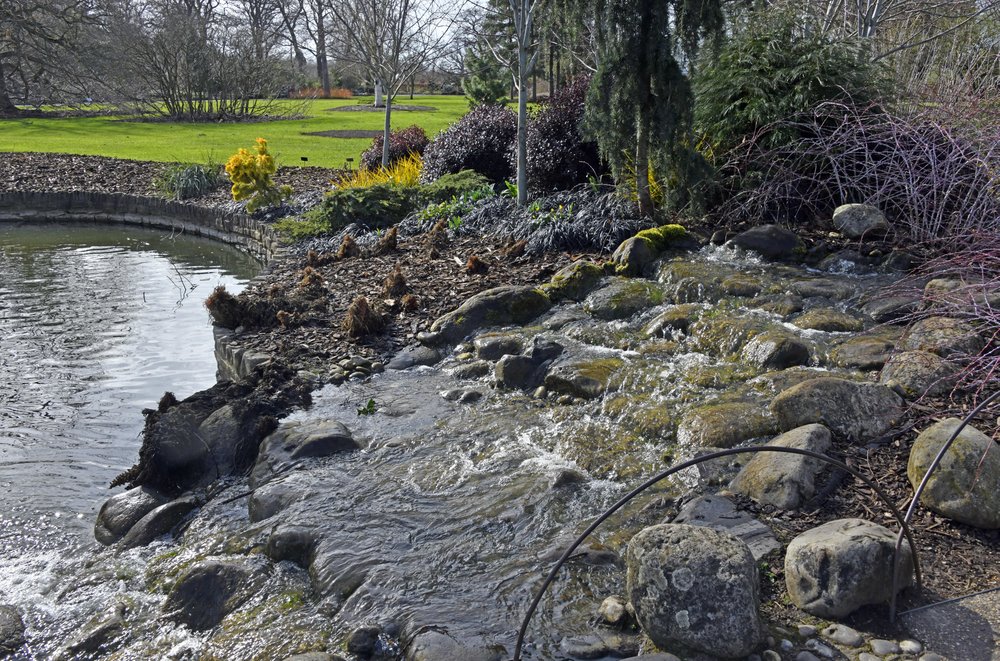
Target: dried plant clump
(285,318)
(316,259)
(410,302)
(515,249)
(362,320)
(167,402)
(311,279)
(225,309)
(387,243)
(395,285)
(348,248)
(476,266)
(437,238)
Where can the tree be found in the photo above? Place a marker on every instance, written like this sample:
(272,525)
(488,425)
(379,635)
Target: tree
(392,40)
(527,56)
(485,81)
(640,102)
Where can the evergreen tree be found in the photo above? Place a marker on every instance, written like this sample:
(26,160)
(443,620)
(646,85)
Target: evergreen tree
(640,103)
(487,81)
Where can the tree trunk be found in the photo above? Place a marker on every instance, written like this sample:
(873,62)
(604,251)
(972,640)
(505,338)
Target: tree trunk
(322,66)
(522,124)
(7,106)
(642,168)
(386,130)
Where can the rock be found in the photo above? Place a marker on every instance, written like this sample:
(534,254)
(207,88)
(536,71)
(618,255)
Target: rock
(943,336)
(622,298)
(433,645)
(806,656)
(99,637)
(659,656)
(315,656)
(159,522)
(939,289)
(362,641)
(807,630)
(725,425)
(856,411)
(843,635)
(723,335)
(785,481)
(696,588)
(633,256)
(474,370)
(583,377)
(574,281)
(11,630)
(677,318)
(517,372)
(775,350)
(829,288)
(494,347)
(890,309)
(294,441)
(911,647)
(223,433)
(600,645)
(863,353)
(834,569)
(741,285)
(272,498)
(122,511)
(820,649)
(898,260)
(882,647)
(964,486)
(771,241)
(720,513)
(856,221)
(414,356)
(613,611)
(845,261)
(501,306)
(207,592)
(543,349)
(828,320)
(783,305)
(918,373)
(293,543)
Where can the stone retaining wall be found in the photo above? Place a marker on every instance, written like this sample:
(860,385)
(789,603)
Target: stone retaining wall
(235,229)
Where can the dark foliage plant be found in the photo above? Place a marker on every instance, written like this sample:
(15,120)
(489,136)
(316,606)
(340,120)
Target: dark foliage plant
(377,206)
(402,143)
(479,141)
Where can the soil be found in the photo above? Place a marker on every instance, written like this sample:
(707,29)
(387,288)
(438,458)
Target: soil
(956,559)
(396,106)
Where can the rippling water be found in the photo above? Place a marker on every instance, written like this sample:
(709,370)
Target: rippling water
(96,322)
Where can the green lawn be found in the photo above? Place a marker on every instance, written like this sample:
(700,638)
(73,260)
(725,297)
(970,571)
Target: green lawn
(197,143)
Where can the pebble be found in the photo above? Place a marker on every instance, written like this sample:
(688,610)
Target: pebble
(378,367)
(465,355)
(843,635)
(806,656)
(771,655)
(807,630)
(884,647)
(865,656)
(612,610)
(565,400)
(820,649)
(357,375)
(540,392)
(931,656)
(787,645)
(910,647)
(470,396)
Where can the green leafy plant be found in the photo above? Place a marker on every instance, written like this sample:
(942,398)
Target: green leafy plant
(454,209)
(368,409)
(183,182)
(450,186)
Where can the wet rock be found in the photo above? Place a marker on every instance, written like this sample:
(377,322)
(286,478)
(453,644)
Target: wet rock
(898,260)
(840,566)
(614,611)
(828,320)
(294,441)
(470,396)
(633,256)
(677,318)
(845,261)
(414,356)
(843,635)
(943,336)
(99,637)
(567,477)
(543,349)
(830,288)
(622,298)
(494,347)
(725,425)
(272,498)
(574,281)
(207,592)
(856,221)
(583,377)
(159,522)
(863,353)
(292,542)
(315,656)
(964,486)
(853,410)
(474,370)
(741,285)
(918,373)
(775,350)
(696,588)
(720,513)
(600,645)
(783,305)
(501,306)
(890,309)
(881,647)
(122,511)
(362,641)
(433,645)
(562,317)
(517,372)
(723,335)
(11,630)
(770,241)
(785,481)
(659,656)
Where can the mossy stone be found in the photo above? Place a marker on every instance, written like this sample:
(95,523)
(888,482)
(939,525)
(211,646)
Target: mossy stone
(622,298)
(828,320)
(574,281)
(664,237)
(587,378)
(725,425)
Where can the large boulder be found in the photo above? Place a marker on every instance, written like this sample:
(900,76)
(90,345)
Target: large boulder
(208,591)
(863,353)
(294,441)
(633,256)
(574,281)
(501,306)
(775,350)
(964,485)
(623,297)
(771,241)
(856,221)
(784,480)
(944,336)
(918,373)
(587,376)
(840,566)
(725,425)
(696,588)
(159,521)
(853,410)
(122,511)
(11,630)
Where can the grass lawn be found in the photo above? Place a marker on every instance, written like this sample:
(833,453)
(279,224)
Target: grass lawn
(198,142)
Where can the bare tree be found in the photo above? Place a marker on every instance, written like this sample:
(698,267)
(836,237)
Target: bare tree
(393,40)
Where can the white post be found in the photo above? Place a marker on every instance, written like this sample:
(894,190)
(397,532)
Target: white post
(379,94)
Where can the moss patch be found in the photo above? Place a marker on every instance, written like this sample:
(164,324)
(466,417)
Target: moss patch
(663,237)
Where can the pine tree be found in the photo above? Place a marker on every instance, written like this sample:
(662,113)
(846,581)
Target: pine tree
(487,80)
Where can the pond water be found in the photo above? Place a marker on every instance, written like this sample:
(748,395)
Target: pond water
(96,322)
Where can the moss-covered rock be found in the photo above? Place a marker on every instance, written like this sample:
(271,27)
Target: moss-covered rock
(622,298)
(741,285)
(783,305)
(725,425)
(574,281)
(852,410)
(501,306)
(918,373)
(633,256)
(944,336)
(664,237)
(828,320)
(587,377)
(677,318)
(721,334)
(863,353)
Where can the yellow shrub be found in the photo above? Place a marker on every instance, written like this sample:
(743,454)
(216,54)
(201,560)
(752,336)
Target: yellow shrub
(251,177)
(404,172)
(656,191)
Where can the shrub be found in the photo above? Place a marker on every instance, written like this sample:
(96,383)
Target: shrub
(251,177)
(376,206)
(451,186)
(182,182)
(487,82)
(558,155)
(770,71)
(405,172)
(402,143)
(479,141)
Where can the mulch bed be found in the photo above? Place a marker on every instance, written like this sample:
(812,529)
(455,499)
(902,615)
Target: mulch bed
(396,106)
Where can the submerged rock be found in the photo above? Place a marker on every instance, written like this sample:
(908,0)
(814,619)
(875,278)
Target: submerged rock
(622,298)
(600,645)
(964,486)
(431,645)
(122,511)
(207,592)
(98,637)
(725,425)
(856,411)
(294,441)
(677,318)
(696,588)
(840,566)
(583,377)
(784,480)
